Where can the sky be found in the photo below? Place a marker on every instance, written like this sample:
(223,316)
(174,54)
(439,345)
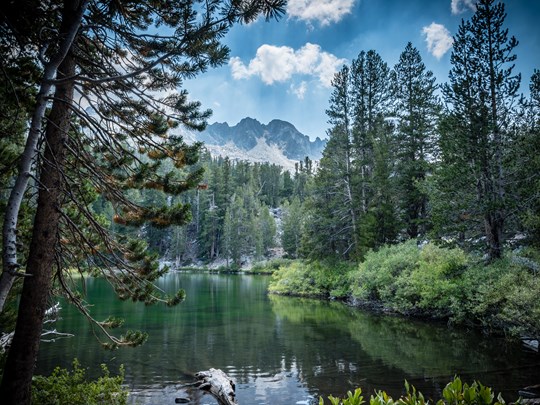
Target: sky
(283,70)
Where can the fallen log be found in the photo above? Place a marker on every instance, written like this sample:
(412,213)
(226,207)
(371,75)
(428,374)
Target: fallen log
(217,383)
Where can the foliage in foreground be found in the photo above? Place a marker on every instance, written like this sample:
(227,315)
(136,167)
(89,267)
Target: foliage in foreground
(455,393)
(65,387)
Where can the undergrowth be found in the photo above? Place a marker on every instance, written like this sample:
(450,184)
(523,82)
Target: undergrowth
(455,393)
(65,387)
(431,282)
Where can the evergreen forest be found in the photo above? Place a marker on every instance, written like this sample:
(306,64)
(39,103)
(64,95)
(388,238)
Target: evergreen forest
(425,203)
(406,158)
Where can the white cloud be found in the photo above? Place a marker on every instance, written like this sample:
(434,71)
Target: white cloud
(459,6)
(279,64)
(438,38)
(299,91)
(324,11)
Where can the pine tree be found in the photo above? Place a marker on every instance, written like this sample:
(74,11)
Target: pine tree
(370,95)
(265,231)
(381,224)
(481,95)
(338,155)
(235,229)
(333,207)
(292,228)
(287,187)
(329,227)
(525,161)
(100,53)
(270,187)
(301,181)
(417,108)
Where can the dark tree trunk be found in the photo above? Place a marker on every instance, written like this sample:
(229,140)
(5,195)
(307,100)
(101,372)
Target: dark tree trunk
(494,223)
(19,368)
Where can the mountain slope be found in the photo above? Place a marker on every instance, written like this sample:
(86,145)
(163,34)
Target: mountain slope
(278,142)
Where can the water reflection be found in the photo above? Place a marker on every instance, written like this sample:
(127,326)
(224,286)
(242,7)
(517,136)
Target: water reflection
(375,351)
(280,350)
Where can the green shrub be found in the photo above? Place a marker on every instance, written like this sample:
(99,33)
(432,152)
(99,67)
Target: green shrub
(294,279)
(407,278)
(504,298)
(352,399)
(431,281)
(377,275)
(433,286)
(326,279)
(64,387)
(449,284)
(455,393)
(269,266)
(332,278)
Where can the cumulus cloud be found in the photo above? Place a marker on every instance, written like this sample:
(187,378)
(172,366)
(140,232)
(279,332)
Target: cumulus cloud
(323,11)
(438,39)
(279,64)
(459,6)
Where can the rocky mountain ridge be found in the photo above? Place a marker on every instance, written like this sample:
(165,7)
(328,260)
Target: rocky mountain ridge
(277,142)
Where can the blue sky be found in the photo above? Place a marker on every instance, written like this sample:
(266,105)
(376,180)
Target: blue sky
(283,69)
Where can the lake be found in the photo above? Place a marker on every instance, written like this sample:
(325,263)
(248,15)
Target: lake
(280,350)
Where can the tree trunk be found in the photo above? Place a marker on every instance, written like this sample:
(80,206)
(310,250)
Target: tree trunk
(18,371)
(9,230)
(72,13)
(494,223)
(350,198)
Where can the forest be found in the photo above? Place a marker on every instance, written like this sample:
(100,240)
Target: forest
(406,158)
(426,201)
(451,168)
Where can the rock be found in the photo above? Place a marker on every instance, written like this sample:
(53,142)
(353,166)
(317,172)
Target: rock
(530,401)
(530,344)
(182,400)
(217,383)
(531,392)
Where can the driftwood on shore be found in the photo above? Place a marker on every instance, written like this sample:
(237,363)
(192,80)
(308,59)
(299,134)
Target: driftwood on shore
(217,383)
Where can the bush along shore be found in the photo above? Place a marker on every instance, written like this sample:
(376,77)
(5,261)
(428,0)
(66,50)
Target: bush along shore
(431,282)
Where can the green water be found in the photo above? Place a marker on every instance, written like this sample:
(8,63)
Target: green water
(281,350)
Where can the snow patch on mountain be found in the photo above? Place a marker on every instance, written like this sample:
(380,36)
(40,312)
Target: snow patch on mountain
(260,153)
(278,142)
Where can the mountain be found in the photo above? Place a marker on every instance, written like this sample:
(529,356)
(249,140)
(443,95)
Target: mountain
(278,142)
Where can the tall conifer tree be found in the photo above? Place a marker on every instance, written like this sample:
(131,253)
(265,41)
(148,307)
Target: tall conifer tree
(106,55)
(480,95)
(373,150)
(417,108)
(334,198)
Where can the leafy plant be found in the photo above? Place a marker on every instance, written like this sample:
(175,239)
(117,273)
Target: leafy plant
(312,279)
(64,387)
(455,393)
(355,398)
